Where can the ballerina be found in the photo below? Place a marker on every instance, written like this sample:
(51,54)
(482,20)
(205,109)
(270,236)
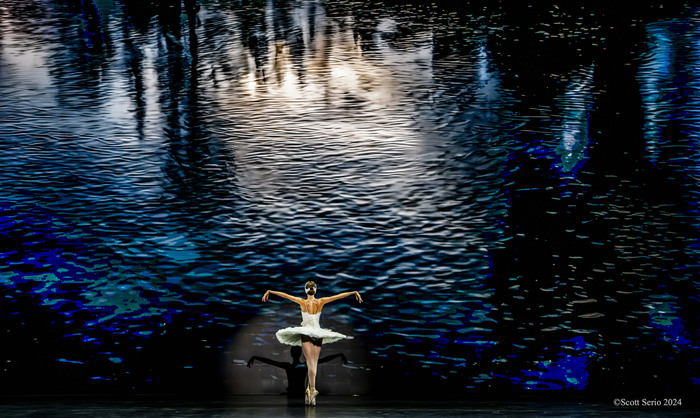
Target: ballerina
(310,336)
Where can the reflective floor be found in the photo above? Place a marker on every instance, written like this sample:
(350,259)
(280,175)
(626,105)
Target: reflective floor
(332,406)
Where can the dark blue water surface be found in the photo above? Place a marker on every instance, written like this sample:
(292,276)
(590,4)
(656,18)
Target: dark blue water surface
(512,188)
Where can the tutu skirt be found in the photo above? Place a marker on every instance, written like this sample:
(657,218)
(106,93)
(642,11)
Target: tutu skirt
(310,328)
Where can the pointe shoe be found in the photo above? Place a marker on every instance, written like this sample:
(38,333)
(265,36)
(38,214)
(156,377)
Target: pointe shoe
(307,396)
(313,398)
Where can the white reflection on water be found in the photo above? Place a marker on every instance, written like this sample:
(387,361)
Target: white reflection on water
(575,103)
(337,106)
(351,107)
(23,60)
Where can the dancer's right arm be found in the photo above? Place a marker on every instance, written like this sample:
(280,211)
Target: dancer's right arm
(282,295)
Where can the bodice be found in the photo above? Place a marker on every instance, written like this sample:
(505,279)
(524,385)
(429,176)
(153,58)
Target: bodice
(310,320)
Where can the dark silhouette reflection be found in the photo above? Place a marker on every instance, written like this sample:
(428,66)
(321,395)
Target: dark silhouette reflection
(94,38)
(140,12)
(296,370)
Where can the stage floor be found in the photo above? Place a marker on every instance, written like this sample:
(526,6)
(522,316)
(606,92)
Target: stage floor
(329,406)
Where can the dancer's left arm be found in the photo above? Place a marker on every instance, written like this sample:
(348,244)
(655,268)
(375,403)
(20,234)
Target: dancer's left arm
(340,296)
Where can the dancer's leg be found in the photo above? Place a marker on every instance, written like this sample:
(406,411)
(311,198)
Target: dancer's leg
(307,347)
(316,352)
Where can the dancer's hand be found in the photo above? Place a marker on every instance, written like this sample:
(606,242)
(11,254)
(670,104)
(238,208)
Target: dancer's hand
(265,296)
(358,297)
(251,361)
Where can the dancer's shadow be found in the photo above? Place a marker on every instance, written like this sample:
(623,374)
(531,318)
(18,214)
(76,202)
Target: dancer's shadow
(296,370)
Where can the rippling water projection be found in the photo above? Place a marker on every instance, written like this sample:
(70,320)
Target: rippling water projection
(512,189)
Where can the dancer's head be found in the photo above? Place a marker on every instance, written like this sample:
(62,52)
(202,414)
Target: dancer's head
(310,288)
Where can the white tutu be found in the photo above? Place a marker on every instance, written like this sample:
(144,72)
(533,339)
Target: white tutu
(311,328)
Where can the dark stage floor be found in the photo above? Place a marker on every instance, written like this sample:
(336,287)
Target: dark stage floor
(330,406)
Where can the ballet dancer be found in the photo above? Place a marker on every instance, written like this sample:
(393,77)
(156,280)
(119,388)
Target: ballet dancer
(310,336)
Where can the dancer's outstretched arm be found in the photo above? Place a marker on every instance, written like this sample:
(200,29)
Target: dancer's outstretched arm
(282,295)
(340,296)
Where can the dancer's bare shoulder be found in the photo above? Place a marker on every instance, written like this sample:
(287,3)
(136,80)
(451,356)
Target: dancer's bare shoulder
(311,306)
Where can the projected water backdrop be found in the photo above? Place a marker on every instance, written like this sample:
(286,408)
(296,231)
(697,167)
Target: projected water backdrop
(513,190)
